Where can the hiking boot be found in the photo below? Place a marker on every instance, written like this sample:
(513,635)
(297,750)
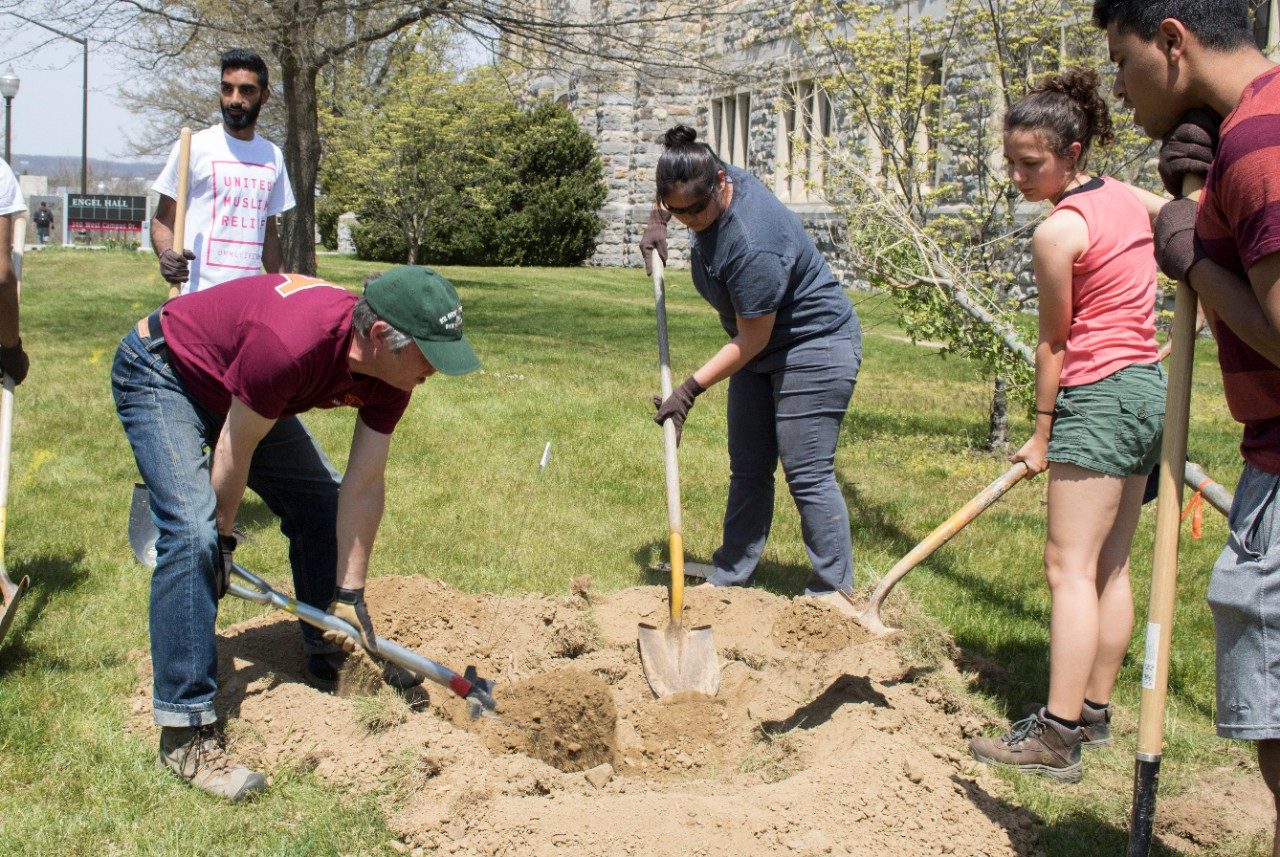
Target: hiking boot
(198,754)
(1095,727)
(1034,745)
(322,671)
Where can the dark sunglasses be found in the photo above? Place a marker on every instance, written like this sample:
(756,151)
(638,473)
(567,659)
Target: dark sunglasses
(688,210)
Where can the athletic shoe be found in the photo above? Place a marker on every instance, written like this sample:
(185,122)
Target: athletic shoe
(1035,745)
(198,754)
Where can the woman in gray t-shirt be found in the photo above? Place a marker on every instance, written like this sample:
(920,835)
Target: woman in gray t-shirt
(792,360)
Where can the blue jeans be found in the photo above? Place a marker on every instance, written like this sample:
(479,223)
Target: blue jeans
(172,437)
(789,407)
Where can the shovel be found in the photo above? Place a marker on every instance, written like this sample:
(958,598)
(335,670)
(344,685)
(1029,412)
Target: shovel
(674,658)
(10,592)
(870,618)
(477,692)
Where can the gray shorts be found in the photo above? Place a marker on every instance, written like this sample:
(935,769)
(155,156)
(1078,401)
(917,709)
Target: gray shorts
(1244,595)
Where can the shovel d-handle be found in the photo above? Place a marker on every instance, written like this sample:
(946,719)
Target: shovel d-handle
(260,592)
(870,618)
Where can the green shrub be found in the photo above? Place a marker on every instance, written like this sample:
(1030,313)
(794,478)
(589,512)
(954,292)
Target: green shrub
(328,210)
(378,241)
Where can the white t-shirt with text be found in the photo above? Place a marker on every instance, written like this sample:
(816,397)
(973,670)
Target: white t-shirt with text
(233,187)
(11,199)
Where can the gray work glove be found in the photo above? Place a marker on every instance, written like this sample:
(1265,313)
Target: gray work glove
(677,405)
(349,606)
(1175,234)
(226,549)
(173,266)
(1188,149)
(654,238)
(14,362)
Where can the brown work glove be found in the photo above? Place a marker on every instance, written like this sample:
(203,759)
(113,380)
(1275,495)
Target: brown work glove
(226,550)
(677,405)
(14,362)
(654,238)
(1175,234)
(174,268)
(1188,149)
(349,606)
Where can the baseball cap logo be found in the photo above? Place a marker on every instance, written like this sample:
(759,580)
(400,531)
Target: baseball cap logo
(452,320)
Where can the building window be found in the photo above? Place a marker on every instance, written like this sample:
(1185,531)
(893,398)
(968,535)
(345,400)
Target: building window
(730,127)
(806,120)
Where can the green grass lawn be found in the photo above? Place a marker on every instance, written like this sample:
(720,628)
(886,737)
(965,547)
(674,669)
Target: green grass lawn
(569,357)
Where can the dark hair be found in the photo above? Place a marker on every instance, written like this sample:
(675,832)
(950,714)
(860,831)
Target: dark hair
(246,59)
(1220,24)
(1068,108)
(686,162)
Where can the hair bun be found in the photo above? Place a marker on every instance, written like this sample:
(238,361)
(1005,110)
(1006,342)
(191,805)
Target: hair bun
(679,136)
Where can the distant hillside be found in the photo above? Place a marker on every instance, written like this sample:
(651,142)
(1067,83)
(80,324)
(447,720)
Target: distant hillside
(53,165)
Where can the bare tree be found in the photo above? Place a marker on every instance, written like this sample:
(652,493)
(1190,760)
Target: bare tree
(306,37)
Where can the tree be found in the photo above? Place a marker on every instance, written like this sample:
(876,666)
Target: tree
(307,37)
(931,215)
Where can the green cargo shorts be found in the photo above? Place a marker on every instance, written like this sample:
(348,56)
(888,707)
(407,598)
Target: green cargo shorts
(1114,425)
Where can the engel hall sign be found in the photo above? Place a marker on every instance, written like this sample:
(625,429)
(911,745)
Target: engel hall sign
(106,212)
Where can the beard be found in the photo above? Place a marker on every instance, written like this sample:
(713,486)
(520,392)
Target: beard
(243,120)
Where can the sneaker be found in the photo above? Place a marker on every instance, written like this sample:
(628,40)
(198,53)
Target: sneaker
(1035,745)
(198,754)
(1096,727)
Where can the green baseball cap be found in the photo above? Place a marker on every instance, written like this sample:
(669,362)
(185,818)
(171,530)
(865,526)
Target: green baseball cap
(424,305)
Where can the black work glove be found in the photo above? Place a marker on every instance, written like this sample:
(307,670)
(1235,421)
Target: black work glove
(349,606)
(677,405)
(1175,233)
(654,238)
(1188,149)
(227,548)
(173,266)
(14,362)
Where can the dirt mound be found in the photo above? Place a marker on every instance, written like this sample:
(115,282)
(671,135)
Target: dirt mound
(821,741)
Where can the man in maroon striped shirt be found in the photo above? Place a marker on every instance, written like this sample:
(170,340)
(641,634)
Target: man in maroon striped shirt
(1175,56)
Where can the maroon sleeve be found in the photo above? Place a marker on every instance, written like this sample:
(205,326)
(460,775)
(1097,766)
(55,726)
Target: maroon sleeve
(1248,193)
(382,417)
(263,375)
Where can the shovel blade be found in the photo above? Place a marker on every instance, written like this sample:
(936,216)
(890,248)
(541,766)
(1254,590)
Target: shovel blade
(142,529)
(11,606)
(677,660)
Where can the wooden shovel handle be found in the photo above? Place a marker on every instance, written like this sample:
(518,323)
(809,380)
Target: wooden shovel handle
(180,209)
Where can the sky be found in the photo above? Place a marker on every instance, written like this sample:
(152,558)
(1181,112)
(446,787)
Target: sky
(46,111)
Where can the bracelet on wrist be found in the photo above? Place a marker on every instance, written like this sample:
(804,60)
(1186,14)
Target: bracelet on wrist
(1046,413)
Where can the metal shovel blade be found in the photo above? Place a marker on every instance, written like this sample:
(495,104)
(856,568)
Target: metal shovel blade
(11,606)
(142,529)
(676,660)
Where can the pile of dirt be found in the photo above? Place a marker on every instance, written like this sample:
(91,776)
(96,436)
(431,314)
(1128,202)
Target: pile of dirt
(822,741)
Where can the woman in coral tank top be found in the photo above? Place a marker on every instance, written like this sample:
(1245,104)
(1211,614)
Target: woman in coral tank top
(1099,410)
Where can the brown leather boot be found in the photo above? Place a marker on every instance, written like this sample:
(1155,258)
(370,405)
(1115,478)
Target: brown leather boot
(1095,727)
(198,754)
(1035,745)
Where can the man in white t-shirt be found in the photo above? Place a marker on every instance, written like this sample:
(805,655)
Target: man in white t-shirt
(13,360)
(237,185)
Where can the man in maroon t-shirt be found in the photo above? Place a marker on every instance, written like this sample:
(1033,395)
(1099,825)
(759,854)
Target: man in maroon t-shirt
(1199,55)
(229,370)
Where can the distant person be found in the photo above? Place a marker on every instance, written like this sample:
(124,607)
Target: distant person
(43,220)
(237,187)
(13,360)
(1099,410)
(791,360)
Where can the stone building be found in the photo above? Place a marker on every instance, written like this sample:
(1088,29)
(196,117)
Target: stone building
(734,72)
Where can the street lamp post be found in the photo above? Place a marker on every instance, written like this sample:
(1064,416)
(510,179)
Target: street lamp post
(8,88)
(84,101)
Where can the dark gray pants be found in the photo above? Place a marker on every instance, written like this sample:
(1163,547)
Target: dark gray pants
(789,407)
